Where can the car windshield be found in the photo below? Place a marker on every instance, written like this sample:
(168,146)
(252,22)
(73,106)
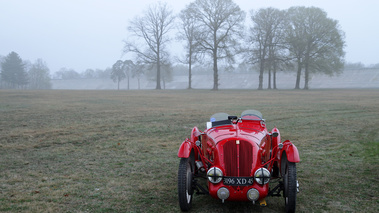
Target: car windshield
(219,119)
(251,114)
(221,116)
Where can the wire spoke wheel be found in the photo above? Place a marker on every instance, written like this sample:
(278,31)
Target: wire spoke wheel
(185,187)
(290,184)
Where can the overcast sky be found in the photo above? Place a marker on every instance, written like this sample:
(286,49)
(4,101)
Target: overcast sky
(83,34)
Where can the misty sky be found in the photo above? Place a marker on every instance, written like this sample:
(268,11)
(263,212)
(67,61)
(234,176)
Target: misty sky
(83,34)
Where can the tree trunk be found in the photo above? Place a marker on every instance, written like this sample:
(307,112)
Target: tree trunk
(128,83)
(274,77)
(262,52)
(215,71)
(261,69)
(306,77)
(158,76)
(269,77)
(297,86)
(190,72)
(158,70)
(271,61)
(118,84)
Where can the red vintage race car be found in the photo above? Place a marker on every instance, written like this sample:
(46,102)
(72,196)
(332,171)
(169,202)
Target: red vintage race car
(239,158)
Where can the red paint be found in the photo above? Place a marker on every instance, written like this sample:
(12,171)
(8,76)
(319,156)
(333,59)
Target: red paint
(256,148)
(185,149)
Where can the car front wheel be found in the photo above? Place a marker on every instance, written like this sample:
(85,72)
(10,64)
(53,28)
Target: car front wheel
(185,188)
(290,184)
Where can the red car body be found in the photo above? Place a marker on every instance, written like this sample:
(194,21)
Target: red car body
(239,157)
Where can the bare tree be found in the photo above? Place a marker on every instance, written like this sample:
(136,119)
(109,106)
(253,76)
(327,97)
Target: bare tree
(220,23)
(166,74)
(277,50)
(152,29)
(127,67)
(39,75)
(315,41)
(295,35)
(118,73)
(264,41)
(89,73)
(65,73)
(187,32)
(138,71)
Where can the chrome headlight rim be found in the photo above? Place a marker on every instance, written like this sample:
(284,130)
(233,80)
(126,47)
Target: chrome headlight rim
(215,175)
(262,176)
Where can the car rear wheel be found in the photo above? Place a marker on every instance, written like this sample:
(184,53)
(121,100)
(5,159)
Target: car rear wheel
(290,184)
(185,188)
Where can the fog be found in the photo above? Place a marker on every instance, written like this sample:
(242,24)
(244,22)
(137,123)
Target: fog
(84,34)
(349,79)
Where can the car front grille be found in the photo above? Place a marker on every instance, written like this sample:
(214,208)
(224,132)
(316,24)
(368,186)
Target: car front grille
(238,165)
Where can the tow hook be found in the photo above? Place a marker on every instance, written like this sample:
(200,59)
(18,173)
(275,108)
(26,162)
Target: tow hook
(297,186)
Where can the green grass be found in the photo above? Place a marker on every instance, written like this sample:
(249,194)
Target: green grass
(116,151)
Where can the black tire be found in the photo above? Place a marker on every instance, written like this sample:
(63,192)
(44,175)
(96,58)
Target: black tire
(185,188)
(290,186)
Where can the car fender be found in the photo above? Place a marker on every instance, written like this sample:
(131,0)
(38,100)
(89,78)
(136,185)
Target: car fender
(195,134)
(291,151)
(190,144)
(185,149)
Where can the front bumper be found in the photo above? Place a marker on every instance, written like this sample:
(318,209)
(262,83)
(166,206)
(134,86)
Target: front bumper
(238,193)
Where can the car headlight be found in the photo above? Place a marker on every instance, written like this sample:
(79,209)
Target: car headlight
(223,193)
(214,175)
(253,195)
(262,176)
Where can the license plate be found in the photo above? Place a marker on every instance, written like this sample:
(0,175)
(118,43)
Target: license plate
(238,181)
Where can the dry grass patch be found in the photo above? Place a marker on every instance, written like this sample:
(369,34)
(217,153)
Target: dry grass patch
(115,151)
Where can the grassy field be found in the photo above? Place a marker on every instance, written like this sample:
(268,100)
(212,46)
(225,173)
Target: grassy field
(116,151)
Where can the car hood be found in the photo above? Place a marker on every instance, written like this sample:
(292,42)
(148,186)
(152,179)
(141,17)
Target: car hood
(247,133)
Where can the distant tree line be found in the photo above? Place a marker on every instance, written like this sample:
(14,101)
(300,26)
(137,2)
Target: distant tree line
(302,39)
(128,69)
(15,73)
(18,74)
(66,73)
(359,66)
(26,75)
